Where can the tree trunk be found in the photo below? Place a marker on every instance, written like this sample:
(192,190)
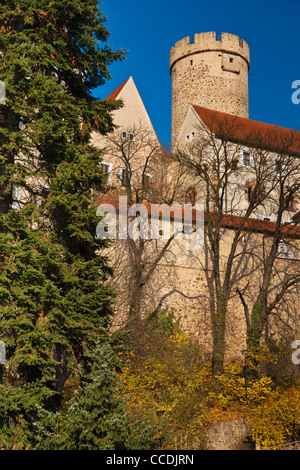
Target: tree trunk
(258,322)
(62,372)
(219,335)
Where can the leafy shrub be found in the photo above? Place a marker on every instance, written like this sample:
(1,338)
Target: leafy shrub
(233,388)
(163,377)
(277,419)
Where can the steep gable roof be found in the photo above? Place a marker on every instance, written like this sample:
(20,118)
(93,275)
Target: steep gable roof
(248,132)
(114,95)
(133,113)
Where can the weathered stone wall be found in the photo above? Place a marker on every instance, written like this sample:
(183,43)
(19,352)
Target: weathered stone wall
(229,435)
(209,73)
(182,283)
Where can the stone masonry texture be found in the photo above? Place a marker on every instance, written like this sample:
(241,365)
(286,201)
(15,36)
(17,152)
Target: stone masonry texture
(210,73)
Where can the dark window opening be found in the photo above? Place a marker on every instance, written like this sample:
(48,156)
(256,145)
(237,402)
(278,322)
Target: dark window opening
(246,158)
(146,181)
(291,202)
(190,197)
(128,135)
(249,193)
(259,191)
(125,177)
(105,167)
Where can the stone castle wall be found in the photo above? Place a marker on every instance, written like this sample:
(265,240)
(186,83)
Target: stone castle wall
(182,283)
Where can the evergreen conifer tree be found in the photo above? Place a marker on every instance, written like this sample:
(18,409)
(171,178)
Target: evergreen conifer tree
(97,416)
(55,302)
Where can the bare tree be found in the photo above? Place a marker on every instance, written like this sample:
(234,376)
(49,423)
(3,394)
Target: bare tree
(280,274)
(240,186)
(146,174)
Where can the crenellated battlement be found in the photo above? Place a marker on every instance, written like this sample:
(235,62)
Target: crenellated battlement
(208,41)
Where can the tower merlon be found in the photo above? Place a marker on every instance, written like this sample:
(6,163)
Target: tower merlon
(208,41)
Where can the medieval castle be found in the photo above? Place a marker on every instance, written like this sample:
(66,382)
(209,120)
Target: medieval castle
(235,167)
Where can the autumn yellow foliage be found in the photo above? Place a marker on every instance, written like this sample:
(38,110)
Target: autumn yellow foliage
(278,419)
(167,386)
(233,388)
(167,378)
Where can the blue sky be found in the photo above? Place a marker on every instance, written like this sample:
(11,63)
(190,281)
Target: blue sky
(148,30)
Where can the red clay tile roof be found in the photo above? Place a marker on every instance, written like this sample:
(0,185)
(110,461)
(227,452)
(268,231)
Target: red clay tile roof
(116,92)
(252,133)
(228,221)
(255,225)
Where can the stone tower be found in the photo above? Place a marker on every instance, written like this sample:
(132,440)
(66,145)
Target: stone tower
(210,72)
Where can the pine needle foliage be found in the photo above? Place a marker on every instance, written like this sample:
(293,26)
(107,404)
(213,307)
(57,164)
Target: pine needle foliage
(97,416)
(55,302)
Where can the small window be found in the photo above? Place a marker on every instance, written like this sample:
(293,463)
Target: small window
(249,192)
(190,136)
(191,62)
(190,196)
(284,251)
(247,159)
(291,200)
(146,180)
(292,203)
(279,165)
(125,177)
(245,240)
(231,59)
(128,135)
(106,169)
(252,186)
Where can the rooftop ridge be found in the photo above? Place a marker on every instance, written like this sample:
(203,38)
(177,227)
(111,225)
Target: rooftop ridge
(113,95)
(249,131)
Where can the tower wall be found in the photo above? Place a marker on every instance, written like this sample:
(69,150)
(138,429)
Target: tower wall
(210,73)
